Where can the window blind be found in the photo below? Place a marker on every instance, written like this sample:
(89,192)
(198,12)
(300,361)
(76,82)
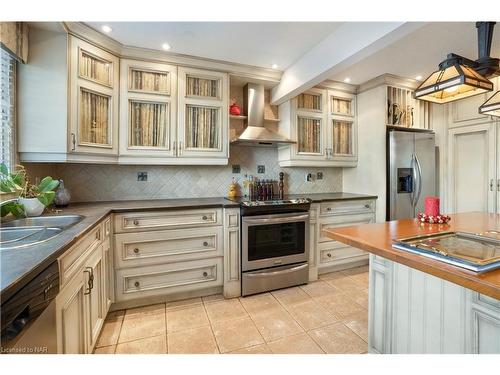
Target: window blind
(7,108)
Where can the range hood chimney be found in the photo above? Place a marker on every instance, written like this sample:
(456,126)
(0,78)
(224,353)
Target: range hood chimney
(255,133)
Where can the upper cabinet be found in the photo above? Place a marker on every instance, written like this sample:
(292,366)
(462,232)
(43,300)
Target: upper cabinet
(80,103)
(93,99)
(323,123)
(203,119)
(148,109)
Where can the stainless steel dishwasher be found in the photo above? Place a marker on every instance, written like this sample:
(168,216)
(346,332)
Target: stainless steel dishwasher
(29,316)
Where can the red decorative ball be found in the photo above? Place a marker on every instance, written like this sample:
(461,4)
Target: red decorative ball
(438,219)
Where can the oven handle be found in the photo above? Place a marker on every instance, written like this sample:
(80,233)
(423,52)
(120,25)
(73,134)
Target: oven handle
(280,218)
(279,272)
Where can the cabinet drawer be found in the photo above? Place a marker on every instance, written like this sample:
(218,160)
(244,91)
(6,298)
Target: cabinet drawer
(71,261)
(347,207)
(156,247)
(146,221)
(342,221)
(170,278)
(336,251)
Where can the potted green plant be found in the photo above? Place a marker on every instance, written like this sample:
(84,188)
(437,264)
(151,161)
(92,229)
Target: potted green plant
(32,199)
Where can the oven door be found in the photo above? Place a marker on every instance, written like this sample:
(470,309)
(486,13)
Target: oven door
(274,240)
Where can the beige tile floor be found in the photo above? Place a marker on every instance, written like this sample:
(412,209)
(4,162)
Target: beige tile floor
(327,316)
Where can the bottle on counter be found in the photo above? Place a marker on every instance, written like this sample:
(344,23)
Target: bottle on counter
(281,186)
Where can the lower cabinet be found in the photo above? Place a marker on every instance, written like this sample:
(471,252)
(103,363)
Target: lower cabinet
(94,297)
(174,254)
(71,317)
(411,312)
(333,255)
(81,303)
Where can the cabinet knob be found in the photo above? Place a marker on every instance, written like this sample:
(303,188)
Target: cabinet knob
(205,217)
(329,255)
(328,208)
(205,274)
(136,222)
(136,250)
(205,243)
(367,205)
(136,284)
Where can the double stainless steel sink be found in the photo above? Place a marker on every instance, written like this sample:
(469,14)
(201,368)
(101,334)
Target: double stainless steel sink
(34,230)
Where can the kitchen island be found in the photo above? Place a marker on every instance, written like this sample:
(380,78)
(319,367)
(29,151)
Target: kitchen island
(421,305)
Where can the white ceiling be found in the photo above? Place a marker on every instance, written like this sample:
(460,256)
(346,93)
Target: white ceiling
(253,43)
(420,52)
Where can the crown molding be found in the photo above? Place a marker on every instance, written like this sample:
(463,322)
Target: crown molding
(339,86)
(389,80)
(92,36)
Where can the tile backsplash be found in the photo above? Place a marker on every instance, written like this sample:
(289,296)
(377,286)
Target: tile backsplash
(97,182)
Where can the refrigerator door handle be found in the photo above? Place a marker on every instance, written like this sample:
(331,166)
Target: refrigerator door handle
(419,170)
(414,178)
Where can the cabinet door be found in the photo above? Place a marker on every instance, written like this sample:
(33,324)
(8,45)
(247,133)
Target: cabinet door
(93,101)
(309,125)
(342,129)
(472,177)
(497,160)
(94,308)
(147,108)
(203,121)
(70,317)
(108,276)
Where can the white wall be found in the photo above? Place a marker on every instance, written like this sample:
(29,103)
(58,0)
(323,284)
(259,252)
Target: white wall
(369,177)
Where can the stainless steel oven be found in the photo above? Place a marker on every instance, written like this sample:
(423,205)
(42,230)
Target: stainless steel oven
(275,250)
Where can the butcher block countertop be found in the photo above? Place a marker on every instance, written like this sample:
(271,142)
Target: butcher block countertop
(377,239)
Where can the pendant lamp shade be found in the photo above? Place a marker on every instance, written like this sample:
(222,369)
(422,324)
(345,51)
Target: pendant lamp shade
(452,82)
(491,107)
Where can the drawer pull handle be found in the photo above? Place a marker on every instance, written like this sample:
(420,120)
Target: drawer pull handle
(205,274)
(328,208)
(205,217)
(205,243)
(136,222)
(329,255)
(136,250)
(367,206)
(136,284)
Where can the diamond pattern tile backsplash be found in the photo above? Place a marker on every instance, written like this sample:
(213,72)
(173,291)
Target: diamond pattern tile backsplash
(92,182)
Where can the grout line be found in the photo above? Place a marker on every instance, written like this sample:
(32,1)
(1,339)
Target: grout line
(211,328)
(166,332)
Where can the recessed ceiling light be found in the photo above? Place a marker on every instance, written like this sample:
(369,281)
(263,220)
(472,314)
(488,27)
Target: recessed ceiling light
(347,80)
(106,28)
(274,66)
(166,46)
(418,78)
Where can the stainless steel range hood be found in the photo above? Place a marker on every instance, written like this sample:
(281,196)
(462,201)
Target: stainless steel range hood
(255,133)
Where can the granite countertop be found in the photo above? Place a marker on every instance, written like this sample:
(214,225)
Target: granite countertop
(19,266)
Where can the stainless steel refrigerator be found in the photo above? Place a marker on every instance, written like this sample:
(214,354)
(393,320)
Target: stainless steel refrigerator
(411,172)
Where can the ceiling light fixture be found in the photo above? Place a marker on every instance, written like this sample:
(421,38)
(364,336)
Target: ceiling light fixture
(274,66)
(166,46)
(106,28)
(491,107)
(459,77)
(419,78)
(347,80)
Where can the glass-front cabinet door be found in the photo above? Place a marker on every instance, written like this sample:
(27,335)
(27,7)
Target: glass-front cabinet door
(147,109)
(342,131)
(203,118)
(309,122)
(93,101)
